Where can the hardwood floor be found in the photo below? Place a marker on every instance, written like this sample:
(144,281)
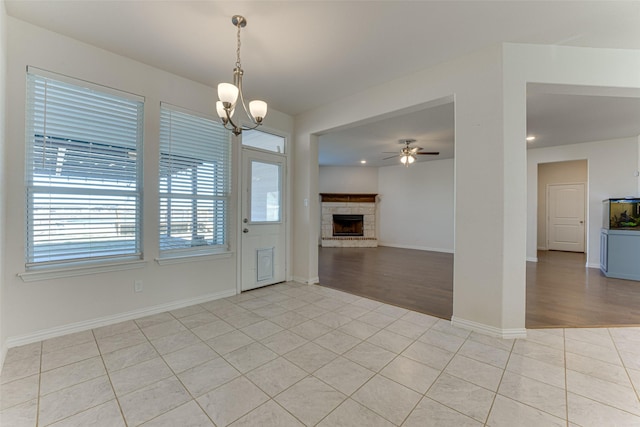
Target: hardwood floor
(561,292)
(417,280)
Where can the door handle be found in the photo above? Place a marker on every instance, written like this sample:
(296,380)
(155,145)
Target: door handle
(245,230)
(581,222)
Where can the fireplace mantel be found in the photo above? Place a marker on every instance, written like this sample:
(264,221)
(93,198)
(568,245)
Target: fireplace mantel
(347,198)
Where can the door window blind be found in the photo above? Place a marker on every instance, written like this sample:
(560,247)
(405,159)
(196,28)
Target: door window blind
(195,165)
(83,173)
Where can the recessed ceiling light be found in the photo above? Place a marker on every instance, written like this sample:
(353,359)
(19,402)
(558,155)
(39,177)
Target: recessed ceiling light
(363,161)
(531,138)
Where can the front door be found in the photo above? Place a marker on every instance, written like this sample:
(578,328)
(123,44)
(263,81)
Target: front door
(263,222)
(565,219)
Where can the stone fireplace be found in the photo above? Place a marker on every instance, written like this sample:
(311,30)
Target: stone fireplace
(348,220)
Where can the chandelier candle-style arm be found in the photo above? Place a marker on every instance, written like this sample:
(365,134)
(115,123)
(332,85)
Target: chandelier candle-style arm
(228,94)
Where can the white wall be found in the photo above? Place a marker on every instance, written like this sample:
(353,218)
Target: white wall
(611,170)
(347,179)
(39,309)
(569,172)
(476,82)
(416,206)
(3,105)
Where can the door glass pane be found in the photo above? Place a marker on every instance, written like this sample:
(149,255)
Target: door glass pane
(263,141)
(265,192)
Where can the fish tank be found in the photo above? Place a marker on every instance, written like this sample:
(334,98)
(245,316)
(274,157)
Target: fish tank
(621,214)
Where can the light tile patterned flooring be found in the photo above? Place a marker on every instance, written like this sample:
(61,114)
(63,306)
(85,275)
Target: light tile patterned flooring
(293,355)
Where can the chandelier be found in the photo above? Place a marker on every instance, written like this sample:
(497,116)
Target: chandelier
(229,93)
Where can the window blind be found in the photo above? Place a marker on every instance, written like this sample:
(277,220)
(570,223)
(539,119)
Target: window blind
(83,173)
(195,171)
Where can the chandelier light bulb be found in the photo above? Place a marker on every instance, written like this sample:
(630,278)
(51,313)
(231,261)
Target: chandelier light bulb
(228,93)
(258,109)
(403,159)
(411,159)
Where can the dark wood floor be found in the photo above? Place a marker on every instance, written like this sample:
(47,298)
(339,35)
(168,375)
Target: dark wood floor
(418,280)
(561,292)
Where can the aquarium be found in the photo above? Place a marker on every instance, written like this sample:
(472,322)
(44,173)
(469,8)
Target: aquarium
(621,214)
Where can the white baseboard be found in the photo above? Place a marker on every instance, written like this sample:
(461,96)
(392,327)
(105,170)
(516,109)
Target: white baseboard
(306,280)
(532,258)
(593,265)
(542,248)
(418,248)
(489,330)
(110,320)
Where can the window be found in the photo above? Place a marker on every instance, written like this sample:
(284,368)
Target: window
(195,164)
(263,140)
(83,172)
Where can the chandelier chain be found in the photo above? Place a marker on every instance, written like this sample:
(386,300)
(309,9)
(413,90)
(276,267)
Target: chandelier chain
(238,50)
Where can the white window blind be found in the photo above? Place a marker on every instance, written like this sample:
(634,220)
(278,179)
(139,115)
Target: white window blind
(195,165)
(83,173)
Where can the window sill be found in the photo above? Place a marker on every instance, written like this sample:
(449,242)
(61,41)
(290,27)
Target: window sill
(57,273)
(178,259)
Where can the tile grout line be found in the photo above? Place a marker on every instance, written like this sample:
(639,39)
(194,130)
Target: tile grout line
(566,382)
(39,384)
(115,395)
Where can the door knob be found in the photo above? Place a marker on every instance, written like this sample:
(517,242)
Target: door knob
(245,220)
(245,230)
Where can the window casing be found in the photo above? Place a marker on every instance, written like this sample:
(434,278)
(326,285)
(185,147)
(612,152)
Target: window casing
(194,184)
(83,172)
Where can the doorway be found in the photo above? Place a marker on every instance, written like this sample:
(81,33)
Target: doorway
(561,205)
(263,203)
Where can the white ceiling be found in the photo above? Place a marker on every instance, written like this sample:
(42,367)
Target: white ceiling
(299,55)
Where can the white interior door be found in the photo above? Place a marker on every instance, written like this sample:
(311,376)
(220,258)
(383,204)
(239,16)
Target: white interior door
(566,217)
(263,222)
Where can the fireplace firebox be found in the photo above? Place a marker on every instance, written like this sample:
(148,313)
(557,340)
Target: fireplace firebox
(348,225)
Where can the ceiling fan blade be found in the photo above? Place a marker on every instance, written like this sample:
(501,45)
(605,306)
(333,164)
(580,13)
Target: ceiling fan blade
(389,152)
(390,157)
(429,153)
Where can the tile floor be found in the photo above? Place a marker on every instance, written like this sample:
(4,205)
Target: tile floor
(293,355)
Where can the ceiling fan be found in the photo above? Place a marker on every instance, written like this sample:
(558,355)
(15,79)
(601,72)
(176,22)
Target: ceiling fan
(408,153)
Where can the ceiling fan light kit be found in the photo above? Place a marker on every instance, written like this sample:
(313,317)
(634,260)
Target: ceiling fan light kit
(408,154)
(228,94)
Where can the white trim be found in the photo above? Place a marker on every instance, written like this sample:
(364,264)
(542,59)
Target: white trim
(418,248)
(306,281)
(542,248)
(58,273)
(596,265)
(489,330)
(532,258)
(179,259)
(110,320)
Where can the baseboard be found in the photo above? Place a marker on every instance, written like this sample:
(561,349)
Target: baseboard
(593,265)
(542,248)
(489,330)
(532,258)
(305,280)
(418,248)
(110,320)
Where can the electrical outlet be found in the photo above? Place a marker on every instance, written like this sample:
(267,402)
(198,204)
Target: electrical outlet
(137,286)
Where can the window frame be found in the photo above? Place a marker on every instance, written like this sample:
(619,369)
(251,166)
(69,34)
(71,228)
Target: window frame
(167,150)
(77,265)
